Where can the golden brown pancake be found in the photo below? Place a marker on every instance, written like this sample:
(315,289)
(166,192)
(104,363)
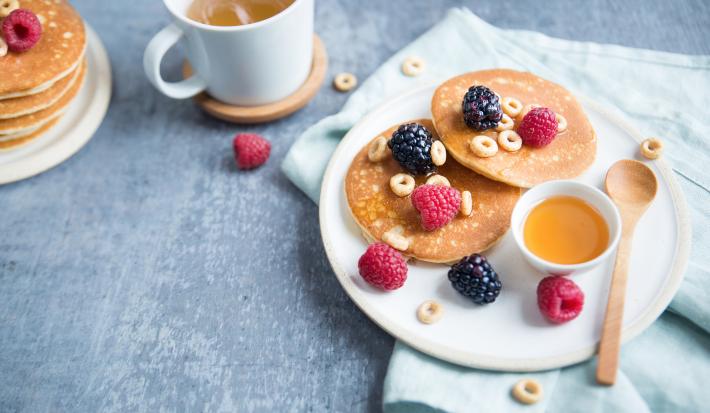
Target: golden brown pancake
(570,154)
(16,143)
(13,108)
(56,55)
(376,209)
(39,118)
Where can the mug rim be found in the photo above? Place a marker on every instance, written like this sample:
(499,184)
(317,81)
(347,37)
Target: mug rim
(182,17)
(520,215)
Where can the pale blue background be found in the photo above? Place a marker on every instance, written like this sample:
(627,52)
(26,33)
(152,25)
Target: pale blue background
(147,274)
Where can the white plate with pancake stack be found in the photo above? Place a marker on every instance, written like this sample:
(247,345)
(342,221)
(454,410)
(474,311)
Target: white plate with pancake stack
(53,110)
(509,334)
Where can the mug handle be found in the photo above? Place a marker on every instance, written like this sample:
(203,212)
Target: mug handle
(158,46)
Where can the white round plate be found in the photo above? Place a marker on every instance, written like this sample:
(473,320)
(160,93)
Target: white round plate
(510,334)
(76,126)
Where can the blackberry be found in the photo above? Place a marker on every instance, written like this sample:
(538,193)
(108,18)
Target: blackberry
(411,147)
(481,108)
(474,278)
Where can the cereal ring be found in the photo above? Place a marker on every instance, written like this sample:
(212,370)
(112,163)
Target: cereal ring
(3,47)
(438,180)
(344,82)
(8,6)
(378,149)
(483,146)
(395,239)
(561,123)
(429,312)
(651,148)
(466,204)
(527,109)
(402,184)
(438,153)
(511,106)
(527,391)
(510,140)
(413,66)
(506,123)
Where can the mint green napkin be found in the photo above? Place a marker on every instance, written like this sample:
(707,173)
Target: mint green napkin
(667,368)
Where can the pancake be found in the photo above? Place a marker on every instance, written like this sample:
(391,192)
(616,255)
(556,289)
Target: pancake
(376,209)
(16,143)
(56,55)
(570,154)
(27,122)
(13,108)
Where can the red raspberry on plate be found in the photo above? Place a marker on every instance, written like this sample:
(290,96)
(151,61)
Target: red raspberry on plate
(538,128)
(250,150)
(559,299)
(383,266)
(437,205)
(21,30)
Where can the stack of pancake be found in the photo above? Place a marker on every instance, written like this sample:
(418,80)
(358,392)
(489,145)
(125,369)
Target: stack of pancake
(37,86)
(495,182)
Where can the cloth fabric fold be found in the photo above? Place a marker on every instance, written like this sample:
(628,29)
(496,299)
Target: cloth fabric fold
(663,94)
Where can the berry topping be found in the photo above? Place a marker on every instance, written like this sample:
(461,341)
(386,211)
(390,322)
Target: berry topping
(250,150)
(437,205)
(559,299)
(481,108)
(21,30)
(383,267)
(411,147)
(538,128)
(474,278)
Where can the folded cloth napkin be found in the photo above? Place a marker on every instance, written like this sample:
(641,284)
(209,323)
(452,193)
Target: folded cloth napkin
(664,95)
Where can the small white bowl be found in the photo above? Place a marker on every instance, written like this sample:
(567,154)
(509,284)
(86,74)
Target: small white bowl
(587,193)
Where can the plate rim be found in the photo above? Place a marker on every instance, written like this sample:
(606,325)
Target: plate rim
(64,147)
(648,316)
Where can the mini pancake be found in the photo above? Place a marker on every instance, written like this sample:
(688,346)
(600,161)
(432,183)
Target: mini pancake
(376,209)
(570,154)
(39,118)
(57,54)
(13,108)
(16,143)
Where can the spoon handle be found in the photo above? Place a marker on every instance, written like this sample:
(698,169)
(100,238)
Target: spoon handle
(611,330)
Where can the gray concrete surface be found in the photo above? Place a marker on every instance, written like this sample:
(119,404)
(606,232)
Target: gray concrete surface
(147,274)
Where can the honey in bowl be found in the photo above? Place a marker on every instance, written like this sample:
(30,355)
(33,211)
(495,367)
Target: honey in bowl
(565,230)
(235,12)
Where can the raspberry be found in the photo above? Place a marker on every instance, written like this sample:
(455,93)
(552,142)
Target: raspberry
(538,128)
(411,147)
(474,278)
(481,108)
(559,299)
(250,150)
(383,267)
(21,30)
(437,205)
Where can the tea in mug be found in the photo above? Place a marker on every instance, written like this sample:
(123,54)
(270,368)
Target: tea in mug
(235,12)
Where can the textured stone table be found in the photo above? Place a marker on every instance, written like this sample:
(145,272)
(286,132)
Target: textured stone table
(147,274)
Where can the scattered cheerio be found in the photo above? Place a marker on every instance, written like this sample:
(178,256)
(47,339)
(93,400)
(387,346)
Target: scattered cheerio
(378,149)
(8,6)
(466,203)
(527,391)
(344,82)
(413,66)
(429,312)
(438,153)
(510,140)
(651,148)
(438,180)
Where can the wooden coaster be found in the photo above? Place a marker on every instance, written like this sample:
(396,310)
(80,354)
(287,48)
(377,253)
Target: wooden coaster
(271,111)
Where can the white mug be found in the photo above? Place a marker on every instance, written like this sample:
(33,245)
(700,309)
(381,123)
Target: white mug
(246,65)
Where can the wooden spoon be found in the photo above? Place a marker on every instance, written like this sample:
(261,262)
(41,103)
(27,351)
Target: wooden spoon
(632,186)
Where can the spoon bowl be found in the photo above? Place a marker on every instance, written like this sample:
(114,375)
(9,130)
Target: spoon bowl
(631,182)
